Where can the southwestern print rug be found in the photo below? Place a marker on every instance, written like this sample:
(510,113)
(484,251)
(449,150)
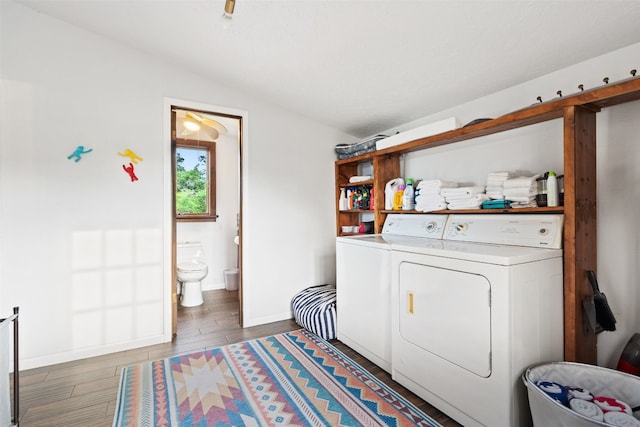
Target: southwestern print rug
(291,379)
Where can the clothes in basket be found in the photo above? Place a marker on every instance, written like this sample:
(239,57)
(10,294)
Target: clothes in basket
(314,309)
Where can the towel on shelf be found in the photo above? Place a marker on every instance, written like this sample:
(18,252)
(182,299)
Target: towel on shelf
(495,193)
(360,178)
(429,198)
(434,186)
(436,183)
(521,181)
(501,174)
(498,178)
(429,207)
(461,192)
(469,203)
(520,192)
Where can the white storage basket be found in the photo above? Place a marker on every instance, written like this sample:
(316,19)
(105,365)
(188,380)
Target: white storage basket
(599,381)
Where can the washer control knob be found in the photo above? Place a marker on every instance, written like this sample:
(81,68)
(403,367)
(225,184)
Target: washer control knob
(460,228)
(431,226)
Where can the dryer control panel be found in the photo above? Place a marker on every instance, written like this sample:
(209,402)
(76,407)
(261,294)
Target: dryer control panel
(538,231)
(416,225)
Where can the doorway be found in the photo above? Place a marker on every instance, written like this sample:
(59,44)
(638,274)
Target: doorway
(222,127)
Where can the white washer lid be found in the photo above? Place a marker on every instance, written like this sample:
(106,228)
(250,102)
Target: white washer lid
(192,266)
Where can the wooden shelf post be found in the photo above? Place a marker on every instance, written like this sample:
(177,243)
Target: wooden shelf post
(580,227)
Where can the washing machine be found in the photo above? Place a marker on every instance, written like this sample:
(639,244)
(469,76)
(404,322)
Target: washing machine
(363,282)
(470,315)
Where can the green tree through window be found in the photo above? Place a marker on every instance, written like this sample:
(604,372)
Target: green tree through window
(195,182)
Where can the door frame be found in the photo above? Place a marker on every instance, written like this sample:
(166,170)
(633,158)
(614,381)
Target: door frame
(169,222)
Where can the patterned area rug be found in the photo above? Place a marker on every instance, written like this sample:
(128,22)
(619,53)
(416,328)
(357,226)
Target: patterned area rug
(292,379)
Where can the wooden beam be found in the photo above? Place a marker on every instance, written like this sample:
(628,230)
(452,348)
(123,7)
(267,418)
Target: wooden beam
(580,227)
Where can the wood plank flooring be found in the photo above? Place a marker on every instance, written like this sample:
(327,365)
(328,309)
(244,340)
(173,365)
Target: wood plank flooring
(83,393)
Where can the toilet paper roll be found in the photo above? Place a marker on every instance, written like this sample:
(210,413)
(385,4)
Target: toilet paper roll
(586,408)
(621,419)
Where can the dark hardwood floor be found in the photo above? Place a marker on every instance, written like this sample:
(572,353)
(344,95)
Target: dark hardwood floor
(83,393)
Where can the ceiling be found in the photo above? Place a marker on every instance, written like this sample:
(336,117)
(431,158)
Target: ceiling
(362,66)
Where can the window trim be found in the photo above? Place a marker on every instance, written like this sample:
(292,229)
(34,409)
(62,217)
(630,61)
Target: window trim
(210,216)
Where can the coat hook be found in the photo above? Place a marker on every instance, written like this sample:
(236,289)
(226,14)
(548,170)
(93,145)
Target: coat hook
(606,80)
(559,93)
(581,86)
(633,72)
(539,99)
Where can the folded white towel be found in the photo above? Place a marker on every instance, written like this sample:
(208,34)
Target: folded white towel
(360,178)
(436,183)
(494,188)
(520,192)
(495,182)
(521,181)
(429,198)
(461,192)
(471,203)
(429,190)
(429,207)
(502,174)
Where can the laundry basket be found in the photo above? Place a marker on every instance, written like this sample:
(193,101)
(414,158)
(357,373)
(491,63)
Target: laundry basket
(546,411)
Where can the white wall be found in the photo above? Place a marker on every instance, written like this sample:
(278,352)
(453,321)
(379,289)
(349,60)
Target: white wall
(538,148)
(83,250)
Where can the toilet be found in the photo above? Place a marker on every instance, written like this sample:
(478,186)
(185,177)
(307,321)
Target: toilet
(192,268)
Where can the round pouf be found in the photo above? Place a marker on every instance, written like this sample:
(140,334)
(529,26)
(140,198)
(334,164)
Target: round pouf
(314,309)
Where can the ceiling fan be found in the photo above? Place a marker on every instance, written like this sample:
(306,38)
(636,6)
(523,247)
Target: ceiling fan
(195,122)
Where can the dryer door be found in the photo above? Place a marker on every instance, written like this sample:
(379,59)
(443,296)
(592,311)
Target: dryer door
(447,313)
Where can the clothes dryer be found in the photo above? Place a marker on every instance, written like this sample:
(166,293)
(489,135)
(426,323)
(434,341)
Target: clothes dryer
(469,317)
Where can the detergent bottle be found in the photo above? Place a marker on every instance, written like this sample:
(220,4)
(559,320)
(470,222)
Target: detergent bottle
(397,198)
(343,203)
(408,201)
(390,192)
(553,195)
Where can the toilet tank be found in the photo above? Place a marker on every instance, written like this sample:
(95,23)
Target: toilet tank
(189,251)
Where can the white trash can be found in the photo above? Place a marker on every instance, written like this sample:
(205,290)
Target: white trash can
(546,411)
(231,279)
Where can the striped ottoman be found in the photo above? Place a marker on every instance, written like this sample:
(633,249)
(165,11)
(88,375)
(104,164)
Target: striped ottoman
(314,309)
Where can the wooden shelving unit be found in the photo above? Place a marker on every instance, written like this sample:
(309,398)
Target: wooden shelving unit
(578,112)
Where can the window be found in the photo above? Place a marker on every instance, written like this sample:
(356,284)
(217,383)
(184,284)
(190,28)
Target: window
(195,180)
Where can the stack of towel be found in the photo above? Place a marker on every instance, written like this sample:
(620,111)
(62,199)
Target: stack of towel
(495,184)
(464,197)
(521,191)
(428,197)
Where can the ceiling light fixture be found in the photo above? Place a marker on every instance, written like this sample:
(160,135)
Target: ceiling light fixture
(229,5)
(191,125)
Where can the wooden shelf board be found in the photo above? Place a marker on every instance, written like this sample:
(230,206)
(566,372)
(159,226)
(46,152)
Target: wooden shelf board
(546,210)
